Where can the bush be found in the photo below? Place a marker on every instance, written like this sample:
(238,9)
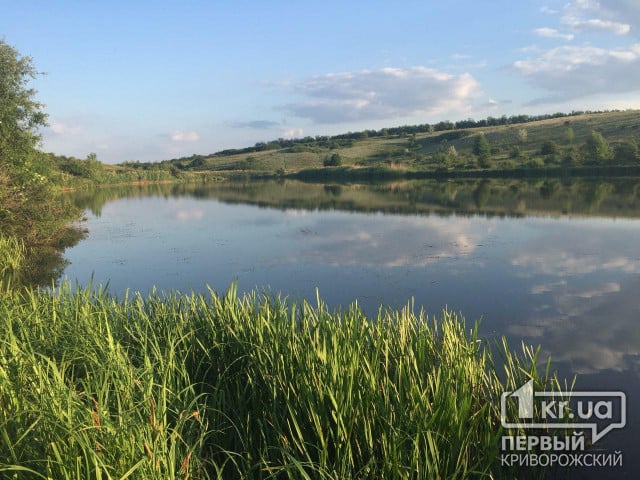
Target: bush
(333,161)
(626,152)
(515,152)
(549,148)
(535,163)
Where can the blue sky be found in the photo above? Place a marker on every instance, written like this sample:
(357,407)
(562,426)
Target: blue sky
(156,80)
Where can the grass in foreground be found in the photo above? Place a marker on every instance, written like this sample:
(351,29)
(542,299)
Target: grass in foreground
(208,386)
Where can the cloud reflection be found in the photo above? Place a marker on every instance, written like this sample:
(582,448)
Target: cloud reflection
(186,215)
(394,242)
(591,285)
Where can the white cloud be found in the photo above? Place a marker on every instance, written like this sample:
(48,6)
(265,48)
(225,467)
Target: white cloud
(256,124)
(293,133)
(548,10)
(178,136)
(627,11)
(610,19)
(552,33)
(460,56)
(570,72)
(65,126)
(382,94)
(597,24)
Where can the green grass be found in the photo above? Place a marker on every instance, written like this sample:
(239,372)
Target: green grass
(206,386)
(12,260)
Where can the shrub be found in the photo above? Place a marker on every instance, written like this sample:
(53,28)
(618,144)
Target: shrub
(549,148)
(333,161)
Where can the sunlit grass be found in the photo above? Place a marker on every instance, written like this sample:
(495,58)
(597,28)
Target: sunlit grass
(209,386)
(12,259)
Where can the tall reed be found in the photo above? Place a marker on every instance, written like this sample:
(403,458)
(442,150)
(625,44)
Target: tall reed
(12,259)
(196,386)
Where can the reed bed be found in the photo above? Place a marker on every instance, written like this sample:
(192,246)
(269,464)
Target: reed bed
(199,386)
(12,259)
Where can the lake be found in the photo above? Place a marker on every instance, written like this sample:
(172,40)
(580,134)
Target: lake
(548,262)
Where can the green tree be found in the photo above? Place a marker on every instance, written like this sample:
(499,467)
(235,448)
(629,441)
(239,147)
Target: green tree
(596,148)
(20,117)
(626,152)
(522,135)
(482,149)
(20,114)
(570,135)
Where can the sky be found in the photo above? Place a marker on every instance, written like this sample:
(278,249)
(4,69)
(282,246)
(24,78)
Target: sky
(155,80)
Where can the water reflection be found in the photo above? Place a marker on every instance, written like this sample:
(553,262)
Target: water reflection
(491,197)
(586,276)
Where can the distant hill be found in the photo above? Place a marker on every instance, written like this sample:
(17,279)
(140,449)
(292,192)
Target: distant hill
(492,144)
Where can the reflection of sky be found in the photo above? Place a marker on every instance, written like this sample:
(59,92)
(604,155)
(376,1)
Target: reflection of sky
(588,279)
(567,284)
(392,241)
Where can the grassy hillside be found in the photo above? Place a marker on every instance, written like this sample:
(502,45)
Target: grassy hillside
(548,143)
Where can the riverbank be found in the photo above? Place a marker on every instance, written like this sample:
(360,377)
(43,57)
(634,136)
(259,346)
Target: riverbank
(347,174)
(221,386)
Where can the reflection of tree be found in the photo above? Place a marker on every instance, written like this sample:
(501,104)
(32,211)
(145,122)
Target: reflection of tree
(94,199)
(482,193)
(462,197)
(334,190)
(627,189)
(45,263)
(596,194)
(549,188)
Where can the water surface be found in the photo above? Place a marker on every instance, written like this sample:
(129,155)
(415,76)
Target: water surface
(545,262)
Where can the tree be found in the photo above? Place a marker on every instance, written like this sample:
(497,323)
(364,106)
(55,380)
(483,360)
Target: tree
(570,135)
(20,117)
(626,152)
(522,135)
(482,149)
(596,148)
(20,114)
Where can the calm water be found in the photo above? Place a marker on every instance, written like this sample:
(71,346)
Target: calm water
(548,263)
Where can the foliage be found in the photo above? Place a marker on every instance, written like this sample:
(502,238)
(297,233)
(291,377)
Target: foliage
(482,150)
(20,114)
(188,386)
(570,135)
(333,161)
(626,152)
(572,157)
(596,148)
(481,146)
(549,147)
(515,152)
(522,135)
